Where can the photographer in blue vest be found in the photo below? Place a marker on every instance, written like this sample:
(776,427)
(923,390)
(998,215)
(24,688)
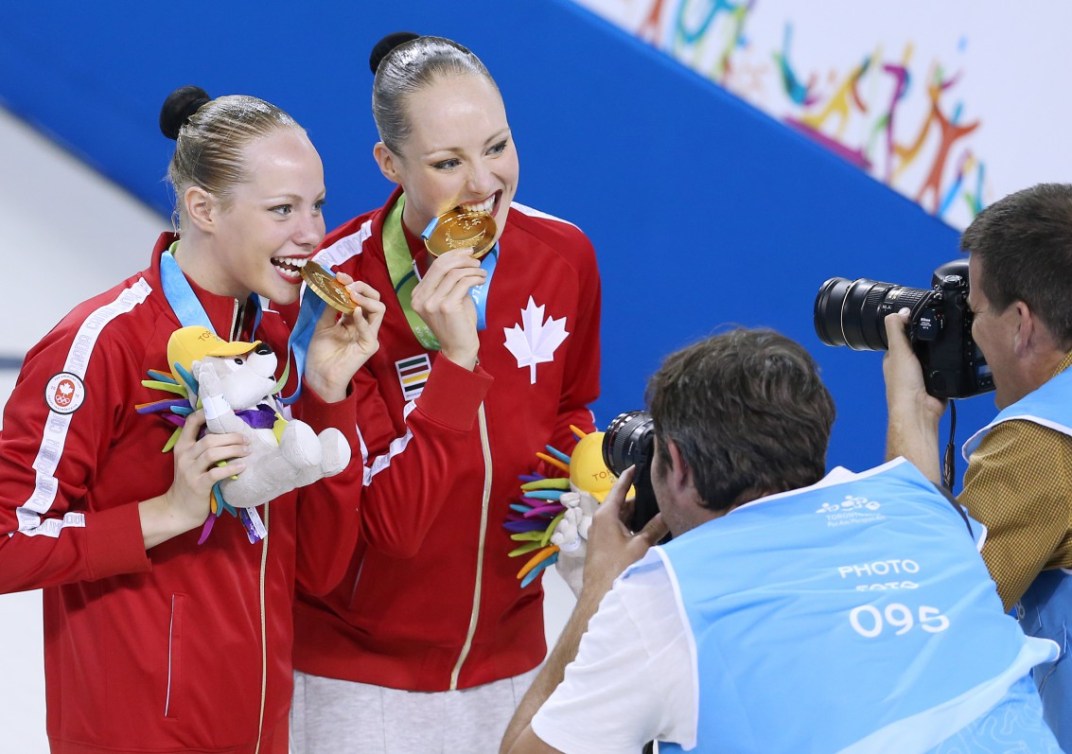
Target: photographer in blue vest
(1019,476)
(791,611)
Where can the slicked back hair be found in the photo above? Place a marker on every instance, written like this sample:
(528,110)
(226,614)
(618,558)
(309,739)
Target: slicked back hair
(408,68)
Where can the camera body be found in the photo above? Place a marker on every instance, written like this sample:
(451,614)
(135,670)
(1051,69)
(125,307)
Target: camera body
(630,441)
(852,313)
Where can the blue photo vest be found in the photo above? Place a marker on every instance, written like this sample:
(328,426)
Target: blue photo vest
(850,616)
(1045,610)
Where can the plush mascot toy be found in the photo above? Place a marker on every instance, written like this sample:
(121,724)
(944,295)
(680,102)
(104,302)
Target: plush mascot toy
(235,384)
(552,518)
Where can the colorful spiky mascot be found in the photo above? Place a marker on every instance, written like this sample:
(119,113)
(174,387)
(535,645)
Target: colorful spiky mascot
(235,384)
(552,518)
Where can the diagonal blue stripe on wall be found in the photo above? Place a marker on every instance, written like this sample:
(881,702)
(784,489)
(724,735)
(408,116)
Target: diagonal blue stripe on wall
(704,211)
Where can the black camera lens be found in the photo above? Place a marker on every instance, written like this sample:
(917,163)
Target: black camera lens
(628,441)
(852,312)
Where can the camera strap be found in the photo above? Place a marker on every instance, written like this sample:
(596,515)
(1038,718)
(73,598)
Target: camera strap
(949,459)
(948,468)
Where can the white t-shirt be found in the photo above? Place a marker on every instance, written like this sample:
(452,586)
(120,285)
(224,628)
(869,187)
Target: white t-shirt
(633,678)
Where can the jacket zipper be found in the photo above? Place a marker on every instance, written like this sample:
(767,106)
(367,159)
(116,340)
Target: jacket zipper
(264,632)
(474,616)
(236,321)
(357,578)
(237,318)
(170,657)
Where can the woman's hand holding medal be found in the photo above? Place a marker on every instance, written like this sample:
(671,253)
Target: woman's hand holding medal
(442,300)
(343,340)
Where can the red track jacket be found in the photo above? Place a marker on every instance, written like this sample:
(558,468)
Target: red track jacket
(165,650)
(431,600)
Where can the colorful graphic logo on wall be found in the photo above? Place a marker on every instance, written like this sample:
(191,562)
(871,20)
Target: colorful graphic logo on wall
(890,94)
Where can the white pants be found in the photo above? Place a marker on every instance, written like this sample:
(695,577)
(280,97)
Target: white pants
(329,716)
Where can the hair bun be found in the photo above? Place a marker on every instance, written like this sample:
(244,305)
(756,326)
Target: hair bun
(388,43)
(179,106)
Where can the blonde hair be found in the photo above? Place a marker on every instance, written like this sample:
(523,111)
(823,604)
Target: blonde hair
(211,134)
(408,68)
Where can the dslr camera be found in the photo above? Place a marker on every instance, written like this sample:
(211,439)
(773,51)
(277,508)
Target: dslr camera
(852,313)
(630,441)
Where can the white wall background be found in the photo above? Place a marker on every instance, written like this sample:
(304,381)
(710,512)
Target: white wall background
(66,234)
(1001,62)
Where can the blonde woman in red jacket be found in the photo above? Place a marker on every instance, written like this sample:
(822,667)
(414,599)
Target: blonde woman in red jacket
(430,640)
(154,643)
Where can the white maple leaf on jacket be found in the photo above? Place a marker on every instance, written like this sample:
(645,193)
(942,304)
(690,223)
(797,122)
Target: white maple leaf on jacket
(534,340)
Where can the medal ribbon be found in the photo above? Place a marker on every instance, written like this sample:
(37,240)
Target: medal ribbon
(182,299)
(404,276)
(180,295)
(312,306)
(184,302)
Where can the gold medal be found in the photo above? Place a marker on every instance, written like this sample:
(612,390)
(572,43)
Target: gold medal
(459,229)
(327,287)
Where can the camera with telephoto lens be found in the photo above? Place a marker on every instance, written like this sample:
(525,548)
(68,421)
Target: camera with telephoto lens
(852,313)
(630,441)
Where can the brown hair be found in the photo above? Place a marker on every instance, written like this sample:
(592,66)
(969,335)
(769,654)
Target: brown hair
(748,412)
(1025,244)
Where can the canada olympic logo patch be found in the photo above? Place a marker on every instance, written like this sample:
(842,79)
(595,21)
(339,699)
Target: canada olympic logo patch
(64,393)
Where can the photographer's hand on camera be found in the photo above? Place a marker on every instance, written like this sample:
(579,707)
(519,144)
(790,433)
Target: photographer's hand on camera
(914,414)
(612,547)
(442,300)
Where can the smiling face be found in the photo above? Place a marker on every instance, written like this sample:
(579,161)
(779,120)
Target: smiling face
(270,223)
(459,153)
